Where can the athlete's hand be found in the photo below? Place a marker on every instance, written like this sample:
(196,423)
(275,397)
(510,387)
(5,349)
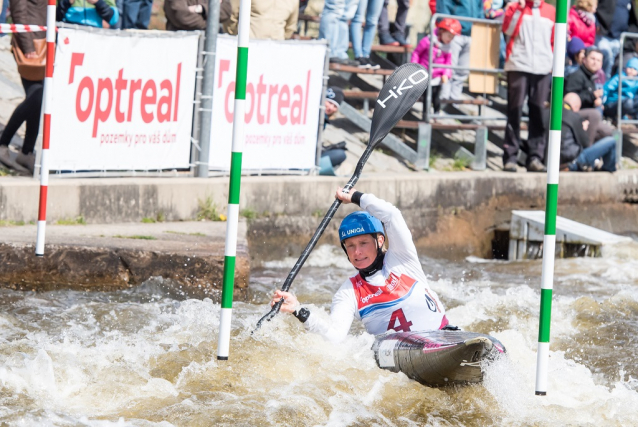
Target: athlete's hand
(344,197)
(290,301)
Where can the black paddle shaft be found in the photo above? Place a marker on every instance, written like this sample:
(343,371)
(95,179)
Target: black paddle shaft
(401,90)
(315,237)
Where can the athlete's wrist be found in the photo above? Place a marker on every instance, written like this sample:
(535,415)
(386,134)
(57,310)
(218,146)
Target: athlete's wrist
(302,314)
(356,198)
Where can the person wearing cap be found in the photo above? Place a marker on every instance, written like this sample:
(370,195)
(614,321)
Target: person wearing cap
(446,30)
(575,54)
(389,290)
(335,154)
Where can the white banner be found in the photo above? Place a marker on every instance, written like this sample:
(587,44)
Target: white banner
(283,95)
(122,101)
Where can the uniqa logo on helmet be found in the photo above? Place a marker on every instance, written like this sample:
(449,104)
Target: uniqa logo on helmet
(352,231)
(415,78)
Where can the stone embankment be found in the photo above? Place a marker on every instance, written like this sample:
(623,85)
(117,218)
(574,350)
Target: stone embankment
(450,214)
(188,256)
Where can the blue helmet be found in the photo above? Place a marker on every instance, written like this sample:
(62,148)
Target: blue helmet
(358,223)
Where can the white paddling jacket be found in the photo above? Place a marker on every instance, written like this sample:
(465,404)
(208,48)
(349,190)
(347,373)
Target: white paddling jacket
(397,297)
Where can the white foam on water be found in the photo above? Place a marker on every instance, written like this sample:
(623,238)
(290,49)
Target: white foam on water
(321,256)
(153,364)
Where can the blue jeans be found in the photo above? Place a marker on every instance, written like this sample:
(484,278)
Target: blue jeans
(334,25)
(3,13)
(629,106)
(136,14)
(610,49)
(605,148)
(370,11)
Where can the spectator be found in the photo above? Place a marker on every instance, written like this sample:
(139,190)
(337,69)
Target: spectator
(445,31)
(529,58)
(494,9)
(611,22)
(573,154)
(269,19)
(460,47)
(582,81)
(29,50)
(398,37)
(335,154)
(186,14)
(628,92)
(368,10)
(136,14)
(334,28)
(581,22)
(575,55)
(88,12)
(4,4)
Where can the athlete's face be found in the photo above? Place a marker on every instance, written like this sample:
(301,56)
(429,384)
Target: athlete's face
(362,250)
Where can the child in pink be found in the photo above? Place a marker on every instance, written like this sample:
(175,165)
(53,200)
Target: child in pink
(582,21)
(445,31)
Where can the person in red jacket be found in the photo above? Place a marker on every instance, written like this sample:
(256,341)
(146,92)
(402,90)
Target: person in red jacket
(581,22)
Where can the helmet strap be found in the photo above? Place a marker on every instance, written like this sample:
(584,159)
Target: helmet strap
(377,265)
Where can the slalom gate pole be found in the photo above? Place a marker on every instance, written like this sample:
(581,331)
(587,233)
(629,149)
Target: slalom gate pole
(239,121)
(551,204)
(46,127)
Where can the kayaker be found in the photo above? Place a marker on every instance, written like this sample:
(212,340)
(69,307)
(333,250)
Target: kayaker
(389,291)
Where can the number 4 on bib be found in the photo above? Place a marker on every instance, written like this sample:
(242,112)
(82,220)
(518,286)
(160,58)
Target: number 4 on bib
(398,316)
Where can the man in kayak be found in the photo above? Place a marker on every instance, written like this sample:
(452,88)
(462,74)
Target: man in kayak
(390,290)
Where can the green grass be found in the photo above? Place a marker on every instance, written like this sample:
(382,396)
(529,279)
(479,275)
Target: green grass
(434,156)
(248,213)
(460,164)
(182,233)
(72,221)
(10,223)
(317,213)
(135,236)
(160,217)
(208,211)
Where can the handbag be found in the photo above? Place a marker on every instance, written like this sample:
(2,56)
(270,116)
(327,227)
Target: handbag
(31,68)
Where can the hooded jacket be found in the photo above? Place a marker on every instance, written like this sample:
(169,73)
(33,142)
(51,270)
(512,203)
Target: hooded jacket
(462,8)
(582,83)
(629,87)
(439,56)
(530,34)
(84,13)
(576,27)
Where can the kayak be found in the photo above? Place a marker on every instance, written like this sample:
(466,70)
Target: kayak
(437,358)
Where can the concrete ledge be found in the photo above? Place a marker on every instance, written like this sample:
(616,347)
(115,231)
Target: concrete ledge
(450,213)
(109,257)
(116,200)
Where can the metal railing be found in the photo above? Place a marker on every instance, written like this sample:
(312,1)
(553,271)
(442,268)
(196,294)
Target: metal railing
(621,78)
(619,120)
(431,66)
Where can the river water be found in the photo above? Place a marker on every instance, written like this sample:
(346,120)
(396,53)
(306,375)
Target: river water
(146,357)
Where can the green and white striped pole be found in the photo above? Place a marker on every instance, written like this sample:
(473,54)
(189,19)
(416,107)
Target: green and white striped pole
(551,204)
(239,118)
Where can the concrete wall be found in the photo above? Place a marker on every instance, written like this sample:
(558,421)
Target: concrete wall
(444,209)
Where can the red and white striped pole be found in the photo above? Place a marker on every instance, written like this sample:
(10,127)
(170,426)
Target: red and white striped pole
(20,28)
(46,128)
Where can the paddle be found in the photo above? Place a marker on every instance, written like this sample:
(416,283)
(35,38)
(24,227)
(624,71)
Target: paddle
(399,93)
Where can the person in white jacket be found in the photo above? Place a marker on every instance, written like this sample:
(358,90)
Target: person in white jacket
(389,292)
